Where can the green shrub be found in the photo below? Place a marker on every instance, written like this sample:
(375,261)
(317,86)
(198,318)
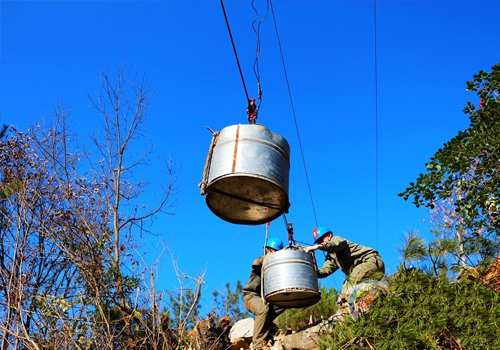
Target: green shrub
(295,319)
(423,312)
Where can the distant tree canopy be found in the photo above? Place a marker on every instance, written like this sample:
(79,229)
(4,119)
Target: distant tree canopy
(3,130)
(465,173)
(229,303)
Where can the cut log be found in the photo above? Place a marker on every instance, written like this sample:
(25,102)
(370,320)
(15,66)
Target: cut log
(209,335)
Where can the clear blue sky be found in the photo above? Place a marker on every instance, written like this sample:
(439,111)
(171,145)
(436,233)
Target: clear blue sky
(54,51)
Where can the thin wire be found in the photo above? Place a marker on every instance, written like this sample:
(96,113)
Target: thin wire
(234,49)
(267,236)
(256,68)
(257,33)
(294,115)
(285,219)
(376,125)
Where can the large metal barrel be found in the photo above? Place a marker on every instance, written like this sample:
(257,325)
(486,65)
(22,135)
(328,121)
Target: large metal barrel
(248,175)
(290,279)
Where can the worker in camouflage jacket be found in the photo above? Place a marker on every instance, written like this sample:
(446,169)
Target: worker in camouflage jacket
(358,262)
(264,312)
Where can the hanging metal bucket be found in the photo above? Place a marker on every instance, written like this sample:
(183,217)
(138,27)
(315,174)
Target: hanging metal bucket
(290,279)
(246,175)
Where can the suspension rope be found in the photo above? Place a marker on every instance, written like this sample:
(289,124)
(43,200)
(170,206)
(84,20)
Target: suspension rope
(267,236)
(293,112)
(234,49)
(376,124)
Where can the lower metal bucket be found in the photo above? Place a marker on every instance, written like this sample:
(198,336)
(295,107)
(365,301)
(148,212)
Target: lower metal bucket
(290,279)
(248,175)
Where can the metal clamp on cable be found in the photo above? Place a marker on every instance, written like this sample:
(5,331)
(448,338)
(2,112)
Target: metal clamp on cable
(252,111)
(289,229)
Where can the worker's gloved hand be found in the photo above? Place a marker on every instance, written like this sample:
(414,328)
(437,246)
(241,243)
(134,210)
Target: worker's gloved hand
(313,248)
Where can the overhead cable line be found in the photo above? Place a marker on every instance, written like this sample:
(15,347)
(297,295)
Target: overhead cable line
(294,114)
(234,49)
(376,122)
(252,109)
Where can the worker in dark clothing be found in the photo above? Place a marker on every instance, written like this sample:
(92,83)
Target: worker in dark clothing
(358,262)
(264,312)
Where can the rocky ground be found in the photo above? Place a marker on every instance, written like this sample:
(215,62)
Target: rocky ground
(211,335)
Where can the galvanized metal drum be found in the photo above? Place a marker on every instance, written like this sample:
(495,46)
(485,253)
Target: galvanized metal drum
(290,279)
(248,175)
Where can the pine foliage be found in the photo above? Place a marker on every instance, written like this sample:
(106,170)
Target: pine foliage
(464,173)
(423,312)
(229,303)
(296,319)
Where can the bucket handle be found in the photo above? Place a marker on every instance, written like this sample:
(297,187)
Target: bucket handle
(203,184)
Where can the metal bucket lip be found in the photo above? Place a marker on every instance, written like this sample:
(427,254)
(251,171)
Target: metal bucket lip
(313,297)
(281,144)
(255,126)
(294,289)
(243,221)
(262,209)
(257,176)
(284,153)
(275,263)
(273,256)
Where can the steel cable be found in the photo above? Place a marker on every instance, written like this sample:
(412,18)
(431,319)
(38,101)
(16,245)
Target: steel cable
(294,114)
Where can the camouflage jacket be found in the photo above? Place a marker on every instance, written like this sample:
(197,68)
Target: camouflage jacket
(344,255)
(253,285)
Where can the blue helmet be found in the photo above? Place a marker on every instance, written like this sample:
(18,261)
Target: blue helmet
(319,232)
(274,243)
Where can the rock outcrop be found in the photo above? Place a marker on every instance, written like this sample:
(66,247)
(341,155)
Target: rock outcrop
(305,339)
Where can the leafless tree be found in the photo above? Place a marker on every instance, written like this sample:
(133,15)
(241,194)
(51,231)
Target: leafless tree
(69,223)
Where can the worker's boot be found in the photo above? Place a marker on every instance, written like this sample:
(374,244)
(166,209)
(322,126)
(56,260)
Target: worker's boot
(263,345)
(274,330)
(342,313)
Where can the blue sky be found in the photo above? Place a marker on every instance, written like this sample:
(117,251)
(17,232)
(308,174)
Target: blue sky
(54,51)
